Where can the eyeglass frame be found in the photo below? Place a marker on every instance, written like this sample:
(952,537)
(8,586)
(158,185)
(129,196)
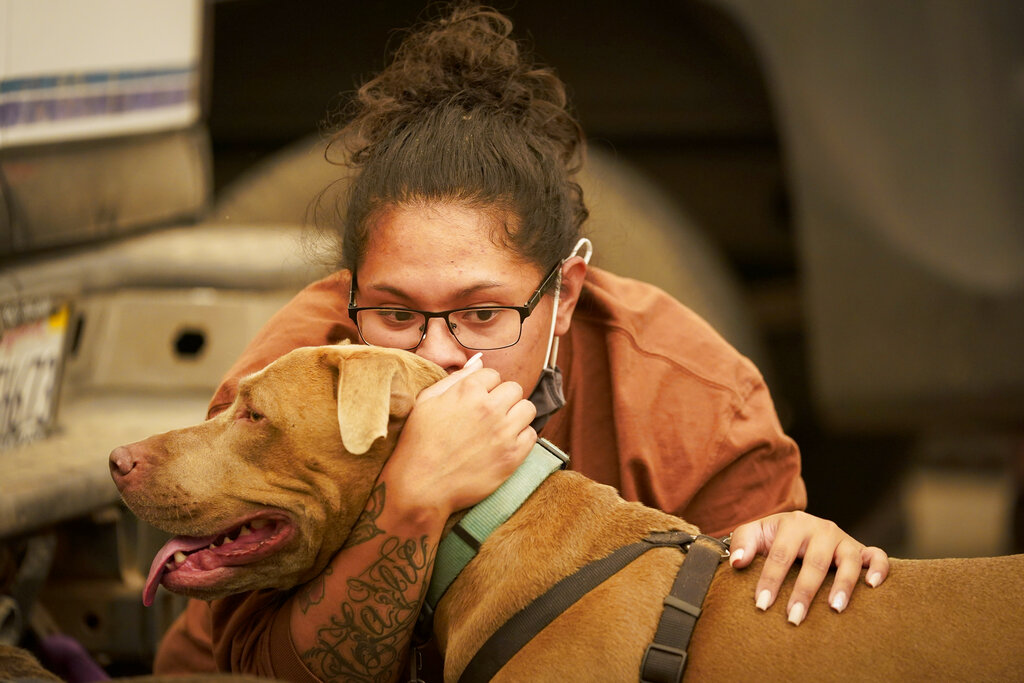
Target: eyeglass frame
(524,312)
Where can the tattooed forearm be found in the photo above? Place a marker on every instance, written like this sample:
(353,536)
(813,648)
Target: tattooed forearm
(366,638)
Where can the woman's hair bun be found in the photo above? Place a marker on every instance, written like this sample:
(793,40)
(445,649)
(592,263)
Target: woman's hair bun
(466,58)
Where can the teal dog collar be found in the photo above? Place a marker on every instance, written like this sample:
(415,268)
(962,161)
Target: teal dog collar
(460,546)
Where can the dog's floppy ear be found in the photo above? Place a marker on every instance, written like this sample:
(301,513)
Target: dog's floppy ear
(372,388)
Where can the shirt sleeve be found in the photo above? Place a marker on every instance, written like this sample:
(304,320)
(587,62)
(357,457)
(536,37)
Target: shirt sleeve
(755,471)
(187,647)
(251,634)
(711,454)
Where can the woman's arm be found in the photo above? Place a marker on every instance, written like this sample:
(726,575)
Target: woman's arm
(463,438)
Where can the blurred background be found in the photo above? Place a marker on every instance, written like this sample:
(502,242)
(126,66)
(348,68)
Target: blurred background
(838,187)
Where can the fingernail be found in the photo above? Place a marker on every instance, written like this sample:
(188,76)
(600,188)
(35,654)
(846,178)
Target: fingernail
(796,613)
(874,579)
(839,601)
(472,360)
(736,555)
(764,599)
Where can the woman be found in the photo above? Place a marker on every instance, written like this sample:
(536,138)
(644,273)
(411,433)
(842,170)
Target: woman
(461,235)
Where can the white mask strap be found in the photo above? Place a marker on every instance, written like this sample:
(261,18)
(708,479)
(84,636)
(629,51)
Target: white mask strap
(587,248)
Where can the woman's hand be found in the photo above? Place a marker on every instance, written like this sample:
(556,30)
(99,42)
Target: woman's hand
(786,536)
(464,437)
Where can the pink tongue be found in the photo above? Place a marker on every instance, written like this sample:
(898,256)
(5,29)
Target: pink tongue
(185,544)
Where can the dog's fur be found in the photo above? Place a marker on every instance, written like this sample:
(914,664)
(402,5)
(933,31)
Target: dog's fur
(327,419)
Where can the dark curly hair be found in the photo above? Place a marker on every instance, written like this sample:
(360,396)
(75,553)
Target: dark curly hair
(460,114)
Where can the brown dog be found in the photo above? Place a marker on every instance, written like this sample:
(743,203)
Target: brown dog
(287,470)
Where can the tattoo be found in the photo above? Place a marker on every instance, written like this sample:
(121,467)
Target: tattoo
(367,637)
(313,592)
(366,526)
(364,529)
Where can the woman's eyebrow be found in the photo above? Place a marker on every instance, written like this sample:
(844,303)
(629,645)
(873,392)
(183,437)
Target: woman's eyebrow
(475,288)
(388,289)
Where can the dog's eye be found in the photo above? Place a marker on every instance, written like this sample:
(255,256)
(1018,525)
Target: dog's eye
(254,416)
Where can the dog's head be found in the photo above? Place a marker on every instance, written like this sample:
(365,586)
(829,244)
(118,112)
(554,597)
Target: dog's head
(264,494)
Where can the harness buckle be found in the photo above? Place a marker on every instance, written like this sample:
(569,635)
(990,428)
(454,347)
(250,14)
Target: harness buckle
(722,543)
(662,667)
(423,630)
(726,543)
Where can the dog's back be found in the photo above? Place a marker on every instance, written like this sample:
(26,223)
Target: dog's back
(960,619)
(954,619)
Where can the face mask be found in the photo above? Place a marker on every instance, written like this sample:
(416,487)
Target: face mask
(547,396)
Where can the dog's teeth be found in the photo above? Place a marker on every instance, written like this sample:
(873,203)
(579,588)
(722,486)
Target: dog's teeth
(179,557)
(213,546)
(258,524)
(244,531)
(170,565)
(228,539)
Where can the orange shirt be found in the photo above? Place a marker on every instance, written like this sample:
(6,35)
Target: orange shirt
(658,405)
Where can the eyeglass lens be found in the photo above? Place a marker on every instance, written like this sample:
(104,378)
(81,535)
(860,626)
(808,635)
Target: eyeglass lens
(474,328)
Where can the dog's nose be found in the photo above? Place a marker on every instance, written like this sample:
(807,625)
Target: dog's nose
(121,461)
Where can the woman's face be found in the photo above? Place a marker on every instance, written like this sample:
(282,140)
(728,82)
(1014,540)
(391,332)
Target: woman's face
(441,256)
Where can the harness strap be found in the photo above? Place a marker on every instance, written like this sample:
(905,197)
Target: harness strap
(665,658)
(529,621)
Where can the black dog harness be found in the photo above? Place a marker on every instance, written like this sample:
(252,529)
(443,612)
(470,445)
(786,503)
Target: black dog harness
(664,659)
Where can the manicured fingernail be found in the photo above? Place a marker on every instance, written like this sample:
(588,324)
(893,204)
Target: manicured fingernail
(874,579)
(472,360)
(796,613)
(764,599)
(736,555)
(839,601)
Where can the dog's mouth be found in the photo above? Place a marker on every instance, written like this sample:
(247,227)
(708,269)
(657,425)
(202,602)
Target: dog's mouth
(202,561)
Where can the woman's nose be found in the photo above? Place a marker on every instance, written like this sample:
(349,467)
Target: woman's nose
(440,346)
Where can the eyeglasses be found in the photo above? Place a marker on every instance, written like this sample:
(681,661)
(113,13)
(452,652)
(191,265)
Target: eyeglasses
(480,328)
